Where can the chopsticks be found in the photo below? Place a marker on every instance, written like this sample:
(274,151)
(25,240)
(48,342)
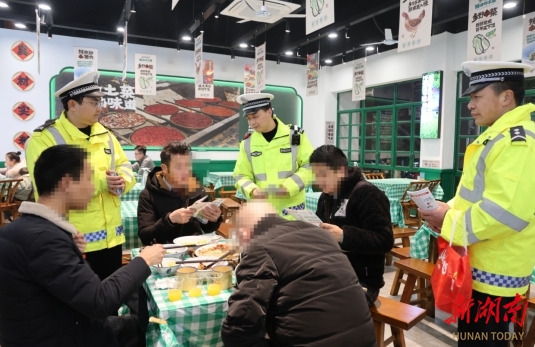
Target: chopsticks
(193,261)
(154,242)
(220,258)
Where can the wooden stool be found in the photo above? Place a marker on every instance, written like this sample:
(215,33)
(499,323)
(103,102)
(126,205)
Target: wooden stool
(126,258)
(224,230)
(400,253)
(210,193)
(398,315)
(228,208)
(226,194)
(420,270)
(404,234)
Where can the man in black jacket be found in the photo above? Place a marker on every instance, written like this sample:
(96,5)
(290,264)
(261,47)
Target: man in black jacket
(357,215)
(294,284)
(162,211)
(49,296)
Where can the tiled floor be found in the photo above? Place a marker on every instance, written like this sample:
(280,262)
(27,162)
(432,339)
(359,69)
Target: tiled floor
(429,332)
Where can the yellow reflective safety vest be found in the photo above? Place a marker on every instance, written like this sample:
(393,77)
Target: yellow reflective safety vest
(276,164)
(495,207)
(101,222)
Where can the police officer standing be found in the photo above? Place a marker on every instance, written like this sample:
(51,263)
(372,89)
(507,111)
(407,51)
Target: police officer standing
(273,162)
(493,207)
(100,222)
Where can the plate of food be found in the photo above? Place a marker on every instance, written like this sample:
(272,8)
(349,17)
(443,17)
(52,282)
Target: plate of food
(203,262)
(213,251)
(122,120)
(172,251)
(192,241)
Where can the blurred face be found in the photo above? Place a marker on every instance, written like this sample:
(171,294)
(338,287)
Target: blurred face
(486,107)
(179,170)
(84,114)
(79,193)
(138,155)
(328,179)
(261,121)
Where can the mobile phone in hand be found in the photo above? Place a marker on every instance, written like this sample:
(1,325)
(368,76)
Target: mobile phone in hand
(118,190)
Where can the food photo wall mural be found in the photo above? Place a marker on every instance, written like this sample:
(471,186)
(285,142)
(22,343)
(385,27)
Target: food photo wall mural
(174,113)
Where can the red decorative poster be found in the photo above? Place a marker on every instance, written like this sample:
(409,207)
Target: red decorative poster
(23,81)
(20,139)
(22,50)
(23,111)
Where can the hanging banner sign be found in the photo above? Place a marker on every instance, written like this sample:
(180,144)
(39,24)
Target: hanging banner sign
(329,133)
(85,60)
(484,30)
(145,74)
(528,42)
(249,79)
(319,14)
(198,64)
(313,62)
(415,24)
(205,90)
(260,58)
(359,80)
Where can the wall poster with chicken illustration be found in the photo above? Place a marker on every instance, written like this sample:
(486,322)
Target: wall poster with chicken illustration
(416,20)
(484,30)
(145,74)
(313,62)
(528,42)
(319,14)
(359,80)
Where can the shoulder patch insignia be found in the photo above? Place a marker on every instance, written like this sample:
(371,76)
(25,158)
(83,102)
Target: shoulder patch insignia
(46,125)
(518,134)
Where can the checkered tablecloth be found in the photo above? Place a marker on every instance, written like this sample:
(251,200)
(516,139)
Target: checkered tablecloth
(311,200)
(194,322)
(129,217)
(133,195)
(394,189)
(221,179)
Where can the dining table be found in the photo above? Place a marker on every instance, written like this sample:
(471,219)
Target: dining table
(130,227)
(133,194)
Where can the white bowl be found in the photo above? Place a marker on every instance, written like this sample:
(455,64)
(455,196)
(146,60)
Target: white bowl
(174,252)
(203,260)
(166,270)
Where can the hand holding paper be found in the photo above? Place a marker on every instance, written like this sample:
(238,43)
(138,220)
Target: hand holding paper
(305,216)
(424,199)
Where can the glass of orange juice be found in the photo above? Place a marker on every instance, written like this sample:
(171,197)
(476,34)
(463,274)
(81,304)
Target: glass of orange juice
(174,286)
(214,282)
(195,282)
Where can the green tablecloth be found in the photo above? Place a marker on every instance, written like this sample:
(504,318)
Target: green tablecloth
(311,200)
(129,217)
(194,322)
(133,194)
(221,179)
(394,189)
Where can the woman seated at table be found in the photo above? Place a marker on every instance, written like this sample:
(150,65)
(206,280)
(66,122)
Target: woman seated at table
(356,214)
(163,212)
(13,165)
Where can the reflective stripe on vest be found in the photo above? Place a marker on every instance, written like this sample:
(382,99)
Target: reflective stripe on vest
(95,236)
(503,281)
(297,207)
(112,149)
(57,136)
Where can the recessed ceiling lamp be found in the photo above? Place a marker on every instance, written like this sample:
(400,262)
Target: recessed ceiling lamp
(186,37)
(120,29)
(509,4)
(333,34)
(3,4)
(44,7)
(328,61)
(20,25)
(289,53)
(370,48)
(243,45)
(287,27)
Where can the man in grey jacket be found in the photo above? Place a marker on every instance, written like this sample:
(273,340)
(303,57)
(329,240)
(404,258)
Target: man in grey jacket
(294,284)
(143,161)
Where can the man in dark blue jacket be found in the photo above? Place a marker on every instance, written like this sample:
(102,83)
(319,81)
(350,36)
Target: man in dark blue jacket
(49,296)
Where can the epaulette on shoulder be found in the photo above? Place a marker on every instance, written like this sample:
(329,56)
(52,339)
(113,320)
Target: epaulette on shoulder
(247,135)
(296,129)
(48,123)
(518,134)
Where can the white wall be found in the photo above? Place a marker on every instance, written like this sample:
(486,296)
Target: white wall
(57,53)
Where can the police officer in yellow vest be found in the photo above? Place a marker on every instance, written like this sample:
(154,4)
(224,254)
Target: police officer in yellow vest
(273,162)
(101,222)
(494,206)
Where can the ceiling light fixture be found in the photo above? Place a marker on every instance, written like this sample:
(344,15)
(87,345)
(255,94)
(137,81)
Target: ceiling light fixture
(287,27)
(243,45)
(217,10)
(328,61)
(370,48)
(45,7)
(333,34)
(278,59)
(297,52)
(186,37)
(347,31)
(509,4)
(20,25)
(133,6)
(49,31)
(43,17)
(3,4)
(232,56)
(120,29)
(120,40)
(289,53)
